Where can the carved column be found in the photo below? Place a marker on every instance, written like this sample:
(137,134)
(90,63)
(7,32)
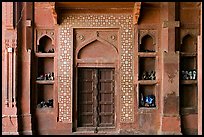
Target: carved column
(9,113)
(10,76)
(170,118)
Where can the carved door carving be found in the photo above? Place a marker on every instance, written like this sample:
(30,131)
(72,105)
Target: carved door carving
(95,97)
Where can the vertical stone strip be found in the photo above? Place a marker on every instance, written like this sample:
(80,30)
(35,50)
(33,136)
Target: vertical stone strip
(170,118)
(14,45)
(6,95)
(200,77)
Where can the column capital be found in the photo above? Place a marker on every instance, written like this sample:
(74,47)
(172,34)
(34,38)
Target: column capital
(136,12)
(170,24)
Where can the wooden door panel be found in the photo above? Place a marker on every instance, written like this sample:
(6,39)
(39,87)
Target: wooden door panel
(86,74)
(87,98)
(85,121)
(86,86)
(106,97)
(106,120)
(106,86)
(106,108)
(86,109)
(106,74)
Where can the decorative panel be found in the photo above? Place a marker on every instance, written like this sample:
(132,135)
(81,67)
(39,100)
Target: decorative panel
(65,57)
(9,15)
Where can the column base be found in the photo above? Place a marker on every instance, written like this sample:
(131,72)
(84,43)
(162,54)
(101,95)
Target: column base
(169,133)
(25,132)
(10,133)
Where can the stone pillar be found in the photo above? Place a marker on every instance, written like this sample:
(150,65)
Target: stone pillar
(200,77)
(170,118)
(25,40)
(9,80)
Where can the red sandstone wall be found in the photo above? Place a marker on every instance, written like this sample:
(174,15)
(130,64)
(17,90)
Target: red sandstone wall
(145,121)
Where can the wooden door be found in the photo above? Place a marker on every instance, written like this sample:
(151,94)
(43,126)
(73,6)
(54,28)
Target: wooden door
(106,97)
(95,97)
(86,87)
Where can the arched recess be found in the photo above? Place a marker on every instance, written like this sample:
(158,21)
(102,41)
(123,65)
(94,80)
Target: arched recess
(188,44)
(97,49)
(147,43)
(44,44)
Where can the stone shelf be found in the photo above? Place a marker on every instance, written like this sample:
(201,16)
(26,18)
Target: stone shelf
(147,82)
(45,54)
(188,81)
(45,81)
(188,110)
(146,109)
(147,54)
(183,54)
(44,110)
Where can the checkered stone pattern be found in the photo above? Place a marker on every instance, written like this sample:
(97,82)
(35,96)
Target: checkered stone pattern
(65,64)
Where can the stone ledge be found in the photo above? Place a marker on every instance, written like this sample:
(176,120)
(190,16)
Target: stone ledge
(136,132)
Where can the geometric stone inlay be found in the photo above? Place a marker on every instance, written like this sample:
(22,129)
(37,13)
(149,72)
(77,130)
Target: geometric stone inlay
(65,63)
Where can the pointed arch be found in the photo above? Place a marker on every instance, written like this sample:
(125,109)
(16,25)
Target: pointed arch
(188,43)
(146,35)
(94,39)
(44,43)
(42,37)
(187,36)
(147,43)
